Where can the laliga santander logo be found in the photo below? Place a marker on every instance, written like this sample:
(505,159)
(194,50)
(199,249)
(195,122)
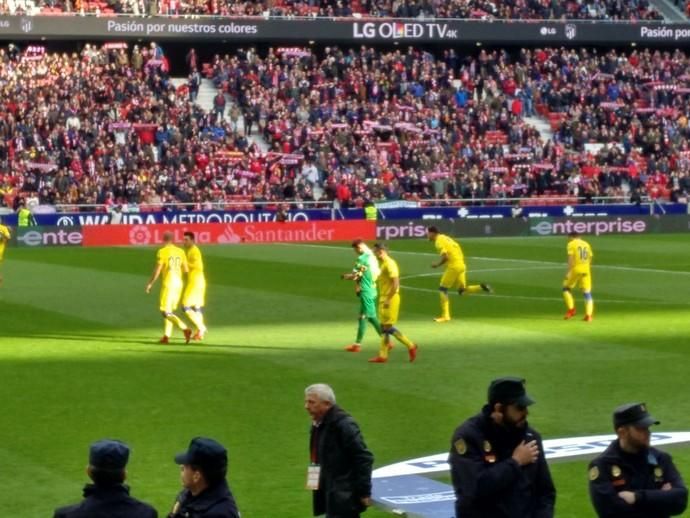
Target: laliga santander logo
(139,235)
(229,237)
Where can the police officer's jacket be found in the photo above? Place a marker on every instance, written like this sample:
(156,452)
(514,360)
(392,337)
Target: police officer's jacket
(645,474)
(107,502)
(213,502)
(488,483)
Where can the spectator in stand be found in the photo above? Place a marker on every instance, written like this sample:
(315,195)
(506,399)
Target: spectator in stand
(194,83)
(219,106)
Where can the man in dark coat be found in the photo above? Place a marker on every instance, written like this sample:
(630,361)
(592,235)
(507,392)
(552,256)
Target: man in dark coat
(108,496)
(340,471)
(497,461)
(206,493)
(631,479)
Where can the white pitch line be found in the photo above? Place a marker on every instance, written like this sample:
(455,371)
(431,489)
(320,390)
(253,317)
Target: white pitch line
(560,299)
(527,261)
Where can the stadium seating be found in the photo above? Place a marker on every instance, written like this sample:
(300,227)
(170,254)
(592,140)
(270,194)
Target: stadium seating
(113,129)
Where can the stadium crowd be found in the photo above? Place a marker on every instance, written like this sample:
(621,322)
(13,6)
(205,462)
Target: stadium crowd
(476,9)
(107,126)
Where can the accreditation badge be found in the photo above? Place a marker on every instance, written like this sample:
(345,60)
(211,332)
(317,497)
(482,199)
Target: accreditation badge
(313,476)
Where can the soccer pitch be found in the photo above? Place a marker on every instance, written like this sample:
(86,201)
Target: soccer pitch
(79,361)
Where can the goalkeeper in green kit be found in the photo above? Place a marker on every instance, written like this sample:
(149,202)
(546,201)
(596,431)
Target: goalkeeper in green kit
(364,274)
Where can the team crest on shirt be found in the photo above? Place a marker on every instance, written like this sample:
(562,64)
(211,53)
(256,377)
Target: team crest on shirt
(658,474)
(487,446)
(593,473)
(615,471)
(460,446)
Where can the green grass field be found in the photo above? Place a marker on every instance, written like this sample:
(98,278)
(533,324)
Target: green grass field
(79,361)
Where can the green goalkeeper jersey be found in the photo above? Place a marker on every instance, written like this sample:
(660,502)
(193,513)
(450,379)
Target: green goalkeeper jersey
(365,276)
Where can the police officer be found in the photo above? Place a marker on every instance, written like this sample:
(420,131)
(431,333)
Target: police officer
(497,461)
(107,496)
(631,479)
(204,467)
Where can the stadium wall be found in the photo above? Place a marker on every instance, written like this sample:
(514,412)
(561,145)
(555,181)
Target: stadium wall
(327,231)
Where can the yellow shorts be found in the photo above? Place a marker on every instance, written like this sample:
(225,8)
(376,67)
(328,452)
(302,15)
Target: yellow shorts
(454,278)
(578,279)
(195,294)
(389,316)
(170,298)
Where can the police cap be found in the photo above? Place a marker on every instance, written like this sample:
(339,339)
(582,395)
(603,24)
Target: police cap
(207,454)
(634,414)
(509,390)
(109,455)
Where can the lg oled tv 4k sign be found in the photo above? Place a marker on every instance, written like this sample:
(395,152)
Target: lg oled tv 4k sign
(403,30)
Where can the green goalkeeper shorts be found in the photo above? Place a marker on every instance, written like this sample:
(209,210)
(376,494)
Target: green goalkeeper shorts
(367,306)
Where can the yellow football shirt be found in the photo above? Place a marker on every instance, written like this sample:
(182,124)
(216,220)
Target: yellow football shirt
(451,249)
(173,260)
(195,262)
(389,272)
(4,238)
(581,254)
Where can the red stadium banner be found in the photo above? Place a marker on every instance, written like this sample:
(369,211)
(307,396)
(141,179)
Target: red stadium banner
(234,233)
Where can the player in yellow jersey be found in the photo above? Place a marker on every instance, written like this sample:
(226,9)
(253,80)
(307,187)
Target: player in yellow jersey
(194,297)
(171,263)
(579,275)
(455,275)
(389,306)
(4,238)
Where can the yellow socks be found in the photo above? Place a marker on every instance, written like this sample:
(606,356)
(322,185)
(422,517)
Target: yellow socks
(174,319)
(445,305)
(403,339)
(569,300)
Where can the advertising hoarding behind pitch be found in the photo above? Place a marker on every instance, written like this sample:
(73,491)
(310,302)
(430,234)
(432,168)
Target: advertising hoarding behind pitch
(343,30)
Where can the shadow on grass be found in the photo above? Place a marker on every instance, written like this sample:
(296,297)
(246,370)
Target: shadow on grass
(153,342)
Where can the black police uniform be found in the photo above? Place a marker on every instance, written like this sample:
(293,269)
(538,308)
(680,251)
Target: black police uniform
(488,483)
(214,502)
(107,502)
(643,473)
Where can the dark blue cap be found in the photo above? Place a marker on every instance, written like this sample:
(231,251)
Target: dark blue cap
(509,391)
(207,454)
(108,454)
(634,414)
